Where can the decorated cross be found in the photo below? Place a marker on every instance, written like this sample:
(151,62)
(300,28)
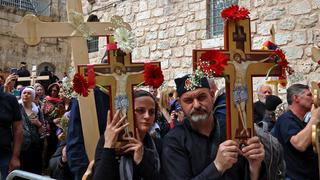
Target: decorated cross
(243,64)
(31,29)
(33,78)
(119,76)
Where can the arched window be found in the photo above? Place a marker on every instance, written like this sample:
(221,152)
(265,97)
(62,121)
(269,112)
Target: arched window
(93,44)
(215,20)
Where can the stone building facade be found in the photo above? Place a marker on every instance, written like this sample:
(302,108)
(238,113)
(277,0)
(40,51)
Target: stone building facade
(168,30)
(53,52)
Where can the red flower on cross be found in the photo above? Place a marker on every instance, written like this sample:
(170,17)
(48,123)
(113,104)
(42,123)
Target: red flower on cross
(153,75)
(80,85)
(212,62)
(235,13)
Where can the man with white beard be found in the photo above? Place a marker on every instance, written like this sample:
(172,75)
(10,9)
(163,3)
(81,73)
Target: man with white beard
(259,107)
(195,149)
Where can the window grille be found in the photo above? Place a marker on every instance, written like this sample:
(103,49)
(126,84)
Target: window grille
(93,44)
(35,6)
(215,20)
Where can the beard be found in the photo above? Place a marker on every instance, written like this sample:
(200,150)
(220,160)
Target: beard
(199,117)
(263,100)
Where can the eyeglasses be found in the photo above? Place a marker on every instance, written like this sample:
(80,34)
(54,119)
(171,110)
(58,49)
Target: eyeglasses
(54,90)
(151,112)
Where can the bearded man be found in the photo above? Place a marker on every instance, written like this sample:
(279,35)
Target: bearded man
(195,149)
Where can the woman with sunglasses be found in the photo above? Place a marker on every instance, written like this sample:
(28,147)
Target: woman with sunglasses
(140,158)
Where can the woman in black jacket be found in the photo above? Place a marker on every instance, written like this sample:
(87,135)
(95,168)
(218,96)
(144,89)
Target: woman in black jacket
(140,158)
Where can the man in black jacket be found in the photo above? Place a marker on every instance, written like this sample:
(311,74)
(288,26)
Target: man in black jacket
(195,149)
(259,107)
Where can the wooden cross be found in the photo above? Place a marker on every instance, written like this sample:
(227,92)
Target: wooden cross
(32,30)
(243,64)
(315,89)
(33,78)
(120,74)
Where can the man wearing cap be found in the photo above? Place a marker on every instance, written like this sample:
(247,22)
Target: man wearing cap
(195,149)
(23,72)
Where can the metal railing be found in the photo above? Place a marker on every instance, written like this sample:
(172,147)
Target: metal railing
(93,44)
(26,175)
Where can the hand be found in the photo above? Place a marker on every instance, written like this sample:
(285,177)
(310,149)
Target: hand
(64,154)
(113,129)
(315,114)
(35,121)
(9,83)
(57,120)
(227,155)
(136,146)
(254,152)
(14,163)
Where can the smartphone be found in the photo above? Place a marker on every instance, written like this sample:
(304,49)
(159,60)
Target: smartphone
(16,93)
(13,71)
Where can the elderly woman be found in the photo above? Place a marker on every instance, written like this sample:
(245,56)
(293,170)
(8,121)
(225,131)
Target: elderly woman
(31,154)
(53,110)
(140,158)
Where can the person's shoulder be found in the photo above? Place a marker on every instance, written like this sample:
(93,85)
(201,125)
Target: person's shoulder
(177,132)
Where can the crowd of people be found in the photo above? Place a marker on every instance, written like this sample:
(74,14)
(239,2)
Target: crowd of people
(179,135)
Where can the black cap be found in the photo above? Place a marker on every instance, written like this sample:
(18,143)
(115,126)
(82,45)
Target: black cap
(190,82)
(272,102)
(24,63)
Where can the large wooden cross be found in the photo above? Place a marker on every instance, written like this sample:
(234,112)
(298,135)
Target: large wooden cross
(243,64)
(120,74)
(32,30)
(33,78)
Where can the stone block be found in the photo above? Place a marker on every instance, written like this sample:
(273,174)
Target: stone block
(299,38)
(145,51)
(151,36)
(273,14)
(180,22)
(264,28)
(162,35)
(162,19)
(173,42)
(157,12)
(154,27)
(167,53)
(194,7)
(175,63)
(199,15)
(186,62)
(153,46)
(193,26)
(293,52)
(164,44)
(182,41)
(164,64)
(178,52)
(152,4)
(188,50)
(139,32)
(143,15)
(254,15)
(192,36)
(143,5)
(308,21)
(258,3)
(287,24)
(253,26)
(156,55)
(180,31)
(300,7)
(283,39)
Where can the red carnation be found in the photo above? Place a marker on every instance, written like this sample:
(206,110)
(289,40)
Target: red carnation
(319,62)
(153,76)
(212,62)
(80,85)
(235,13)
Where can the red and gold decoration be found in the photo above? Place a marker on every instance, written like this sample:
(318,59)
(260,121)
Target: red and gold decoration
(212,62)
(80,85)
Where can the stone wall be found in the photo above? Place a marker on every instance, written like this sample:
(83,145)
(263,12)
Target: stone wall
(13,50)
(168,31)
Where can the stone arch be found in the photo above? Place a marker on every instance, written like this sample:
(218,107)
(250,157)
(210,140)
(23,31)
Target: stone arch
(41,66)
(93,18)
